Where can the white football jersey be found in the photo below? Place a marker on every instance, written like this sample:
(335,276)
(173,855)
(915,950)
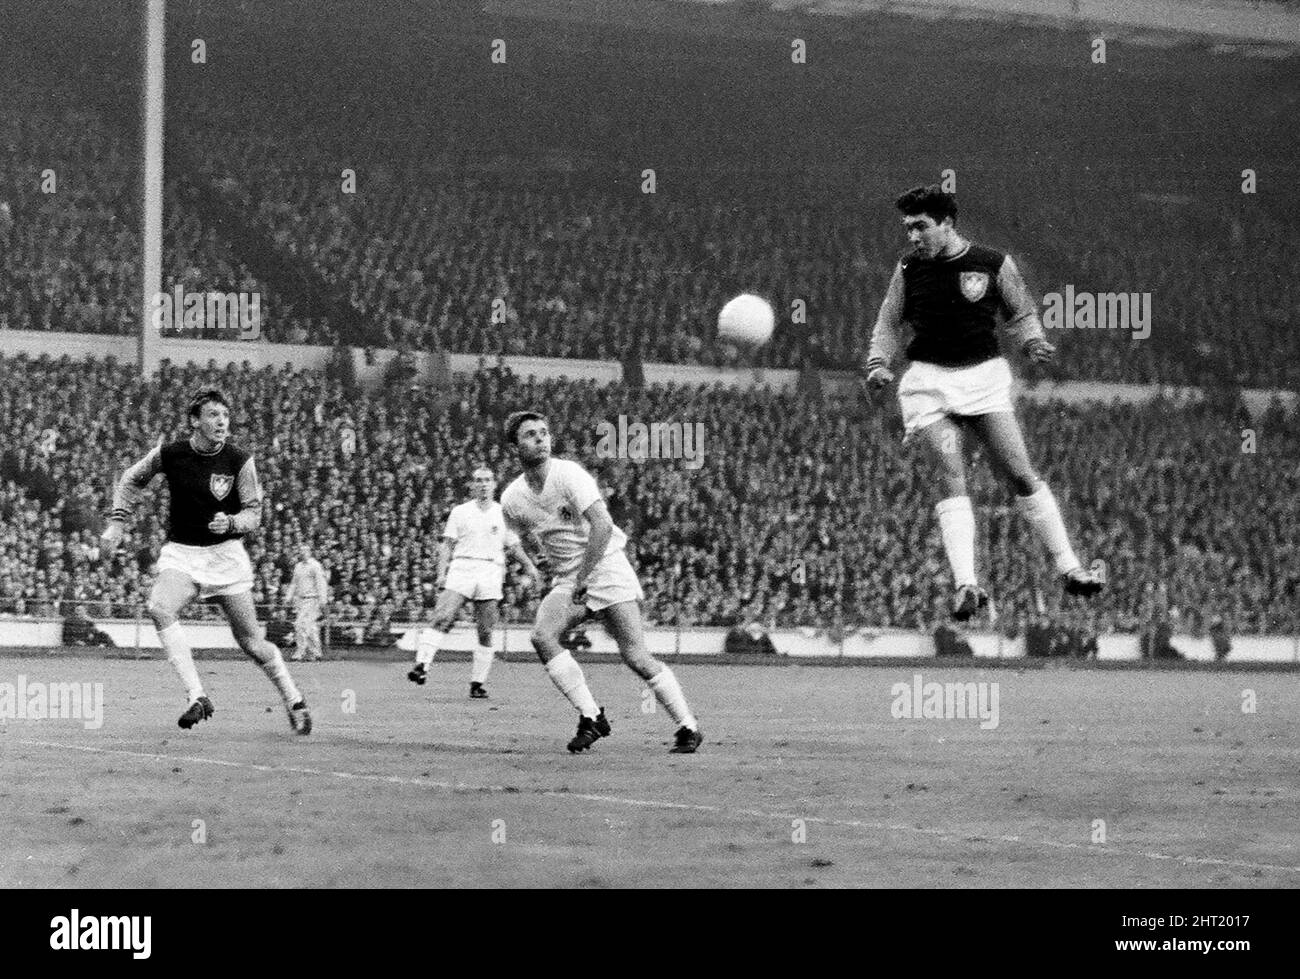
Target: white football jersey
(479,532)
(555,514)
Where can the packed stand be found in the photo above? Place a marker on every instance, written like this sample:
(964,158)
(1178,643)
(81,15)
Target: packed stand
(505,213)
(1164,494)
(70,230)
(583,265)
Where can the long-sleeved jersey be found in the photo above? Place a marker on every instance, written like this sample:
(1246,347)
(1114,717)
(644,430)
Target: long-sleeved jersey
(953,305)
(201,484)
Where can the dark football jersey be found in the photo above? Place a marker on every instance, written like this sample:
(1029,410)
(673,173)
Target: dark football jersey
(201,486)
(954,305)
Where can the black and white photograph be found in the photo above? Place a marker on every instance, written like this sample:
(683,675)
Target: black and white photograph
(654,445)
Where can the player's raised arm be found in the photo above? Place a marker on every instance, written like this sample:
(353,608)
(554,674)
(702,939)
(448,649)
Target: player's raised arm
(1022,313)
(886,336)
(129,489)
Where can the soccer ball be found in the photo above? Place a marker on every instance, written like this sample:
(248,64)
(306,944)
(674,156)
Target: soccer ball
(747,320)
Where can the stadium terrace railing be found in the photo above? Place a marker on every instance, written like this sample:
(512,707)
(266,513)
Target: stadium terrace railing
(72,624)
(222,353)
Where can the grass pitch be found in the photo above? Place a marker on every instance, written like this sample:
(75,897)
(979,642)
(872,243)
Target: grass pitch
(805,779)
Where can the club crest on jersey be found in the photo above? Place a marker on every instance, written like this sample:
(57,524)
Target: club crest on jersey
(220,485)
(974,285)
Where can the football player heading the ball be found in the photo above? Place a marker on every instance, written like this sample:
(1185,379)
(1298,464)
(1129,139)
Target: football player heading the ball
(952,293)
(204,557)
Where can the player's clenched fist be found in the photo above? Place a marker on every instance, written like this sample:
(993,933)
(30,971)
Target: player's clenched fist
(1039,351)
(879,376)
(220,524)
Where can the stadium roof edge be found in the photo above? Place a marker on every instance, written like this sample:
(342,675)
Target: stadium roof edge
(1267,25)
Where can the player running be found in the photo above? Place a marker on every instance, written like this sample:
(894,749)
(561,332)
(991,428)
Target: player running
(204,557)
(472,568)
(559,501)
(952,293)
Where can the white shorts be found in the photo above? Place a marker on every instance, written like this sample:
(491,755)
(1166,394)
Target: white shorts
(479,581)
(929,392)
(612,581)
(219,569)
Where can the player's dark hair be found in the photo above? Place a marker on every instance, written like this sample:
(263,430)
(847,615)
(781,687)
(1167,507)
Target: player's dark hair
(931,201)
(517,418)
(210,396)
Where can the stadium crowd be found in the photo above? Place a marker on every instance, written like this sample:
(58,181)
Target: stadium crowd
(69,233)
(803,513)
(505,212)
(463,235)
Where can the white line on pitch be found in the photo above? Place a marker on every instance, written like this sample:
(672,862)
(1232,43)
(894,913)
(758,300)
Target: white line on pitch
(945,835)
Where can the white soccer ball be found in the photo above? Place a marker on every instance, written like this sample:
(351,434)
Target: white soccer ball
(747,320)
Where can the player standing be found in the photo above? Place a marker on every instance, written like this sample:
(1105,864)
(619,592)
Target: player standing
(952,293)
(560,502)
(471,568)
(204,556)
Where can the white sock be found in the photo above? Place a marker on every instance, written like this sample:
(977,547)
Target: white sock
(431,641)
(478,670)
(567,675)
(274,667)
(181,657)
(957,527)
(1044,516)
(669,693)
